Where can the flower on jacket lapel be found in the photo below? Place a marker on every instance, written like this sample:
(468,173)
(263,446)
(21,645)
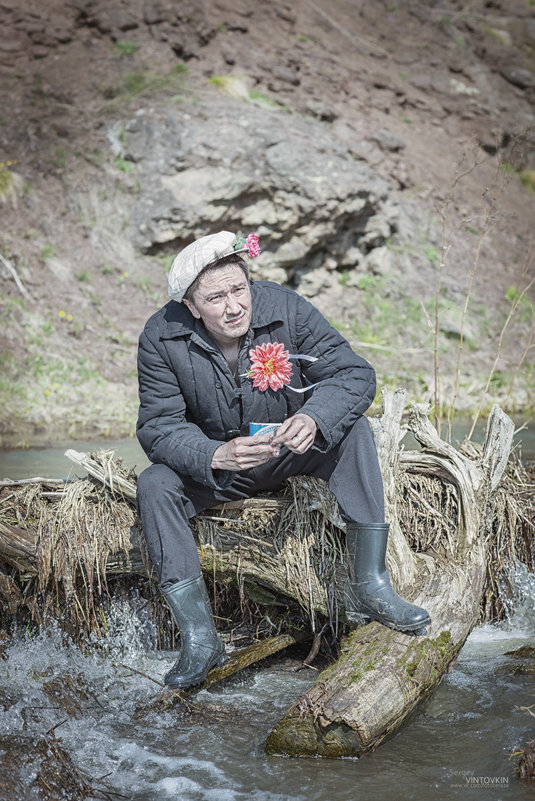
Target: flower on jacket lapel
(270,366)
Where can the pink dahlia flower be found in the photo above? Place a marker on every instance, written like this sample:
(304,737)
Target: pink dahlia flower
(252,245)
(270,366)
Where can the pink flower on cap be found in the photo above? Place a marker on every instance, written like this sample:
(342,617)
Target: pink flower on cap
(252,245)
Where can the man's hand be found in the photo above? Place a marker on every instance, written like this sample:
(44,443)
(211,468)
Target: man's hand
(242,453)
(297,433)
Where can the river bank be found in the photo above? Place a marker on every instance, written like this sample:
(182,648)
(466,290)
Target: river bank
(390,183)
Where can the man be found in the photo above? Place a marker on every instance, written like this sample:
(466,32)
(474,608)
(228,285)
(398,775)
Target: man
(197,398)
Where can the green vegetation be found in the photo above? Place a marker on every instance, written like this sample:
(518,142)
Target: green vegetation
(524,306)
(528,179)
(344,277)
(137,83)
(6,181)
(262,99)
(125,47)
(60,156)
(236,86)
(83,276)
(433,255)
(47,251)
(164,260)
(124,166)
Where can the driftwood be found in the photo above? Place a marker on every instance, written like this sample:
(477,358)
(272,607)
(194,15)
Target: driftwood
(382,674)
(238,660)
(440,503)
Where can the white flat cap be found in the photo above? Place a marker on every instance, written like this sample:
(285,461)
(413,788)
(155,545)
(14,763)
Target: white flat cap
(194,258)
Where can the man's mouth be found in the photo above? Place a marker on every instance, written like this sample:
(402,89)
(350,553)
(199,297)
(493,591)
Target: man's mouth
(235,320)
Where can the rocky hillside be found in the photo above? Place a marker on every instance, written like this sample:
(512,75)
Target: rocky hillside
(384,153)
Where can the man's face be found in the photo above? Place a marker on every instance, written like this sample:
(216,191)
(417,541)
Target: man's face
(222,300)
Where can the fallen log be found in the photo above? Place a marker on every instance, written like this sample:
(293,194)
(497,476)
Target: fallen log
(382,674)
(290,547)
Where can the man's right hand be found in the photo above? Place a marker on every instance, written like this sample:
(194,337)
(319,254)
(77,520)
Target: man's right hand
(242,453)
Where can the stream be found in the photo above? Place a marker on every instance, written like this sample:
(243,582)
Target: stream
(457,746)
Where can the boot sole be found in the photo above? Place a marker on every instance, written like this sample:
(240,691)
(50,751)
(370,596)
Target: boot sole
(360,619)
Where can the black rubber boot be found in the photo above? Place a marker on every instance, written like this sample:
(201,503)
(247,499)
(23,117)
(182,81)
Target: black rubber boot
(200,647)
(368,592)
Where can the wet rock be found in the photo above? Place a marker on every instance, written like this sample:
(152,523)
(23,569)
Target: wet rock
(39,768)
(523,652)
(527,654)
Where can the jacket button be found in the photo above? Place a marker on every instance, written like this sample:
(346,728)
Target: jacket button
(218,384)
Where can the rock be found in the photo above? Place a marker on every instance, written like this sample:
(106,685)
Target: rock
(115,21)
(154,11)
(352,258)
(40,51)
(287,75)
(379,261)
(462,88)
(387,140)
(13,44)
(284,176)
(321,110)
(450,325)
(312,282)
(523,78)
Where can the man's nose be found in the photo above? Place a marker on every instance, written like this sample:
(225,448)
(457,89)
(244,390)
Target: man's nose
(233,307)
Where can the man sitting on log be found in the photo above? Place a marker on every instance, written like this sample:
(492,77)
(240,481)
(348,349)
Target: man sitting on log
(224,353)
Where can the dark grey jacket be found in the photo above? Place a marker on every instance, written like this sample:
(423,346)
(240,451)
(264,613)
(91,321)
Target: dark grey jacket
(190,403)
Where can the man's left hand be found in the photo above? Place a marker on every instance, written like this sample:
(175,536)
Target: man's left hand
(297,433)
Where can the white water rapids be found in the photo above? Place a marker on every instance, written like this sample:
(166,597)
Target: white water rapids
(457,746)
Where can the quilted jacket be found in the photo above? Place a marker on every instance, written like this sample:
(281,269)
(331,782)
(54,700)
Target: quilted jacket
(190,402)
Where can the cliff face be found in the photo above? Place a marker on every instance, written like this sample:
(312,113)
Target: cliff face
(361,141)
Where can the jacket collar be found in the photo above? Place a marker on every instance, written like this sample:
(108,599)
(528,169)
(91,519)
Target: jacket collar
(178,321)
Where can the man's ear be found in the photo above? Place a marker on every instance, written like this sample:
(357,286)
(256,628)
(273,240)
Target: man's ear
(191,307)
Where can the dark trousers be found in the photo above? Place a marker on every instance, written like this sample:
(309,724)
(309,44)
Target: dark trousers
(167,500)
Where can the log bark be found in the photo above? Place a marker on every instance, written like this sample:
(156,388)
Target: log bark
(382,675)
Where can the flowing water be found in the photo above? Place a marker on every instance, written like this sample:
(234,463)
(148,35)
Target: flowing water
(457,746)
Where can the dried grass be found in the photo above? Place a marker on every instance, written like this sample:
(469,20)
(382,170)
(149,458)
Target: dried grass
(79,528)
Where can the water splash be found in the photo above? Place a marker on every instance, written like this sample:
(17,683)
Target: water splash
(519,601)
